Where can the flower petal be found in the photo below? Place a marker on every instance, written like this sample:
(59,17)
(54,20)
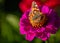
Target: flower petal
(51,29)
(44,37)
(22,30)
(30,36)
(45,9)
(41,29)
(43,34)
(23,23)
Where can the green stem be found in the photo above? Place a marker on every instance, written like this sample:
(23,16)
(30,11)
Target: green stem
(47,41)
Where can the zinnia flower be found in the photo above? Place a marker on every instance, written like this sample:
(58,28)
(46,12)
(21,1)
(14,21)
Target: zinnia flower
(39,21)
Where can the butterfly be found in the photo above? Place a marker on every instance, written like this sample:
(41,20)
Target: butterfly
(37,18)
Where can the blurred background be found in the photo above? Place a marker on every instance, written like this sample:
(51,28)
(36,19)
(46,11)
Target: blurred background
(9,20)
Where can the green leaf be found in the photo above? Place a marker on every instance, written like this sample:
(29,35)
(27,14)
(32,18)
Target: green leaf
(6,32)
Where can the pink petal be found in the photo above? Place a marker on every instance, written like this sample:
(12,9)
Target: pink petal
(22,23)
(42,34)
(22,30)
(41,29)
(45,9)
(46,37)
(21,27)
(52,29)
(30,36)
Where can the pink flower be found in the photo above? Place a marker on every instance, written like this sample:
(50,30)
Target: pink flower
(50,26)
